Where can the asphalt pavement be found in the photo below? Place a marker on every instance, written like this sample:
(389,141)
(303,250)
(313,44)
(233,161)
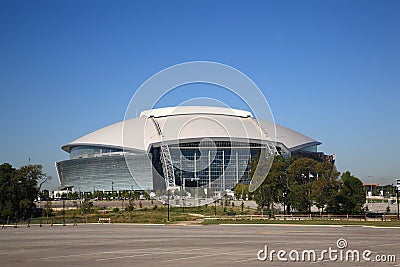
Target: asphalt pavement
(202,245)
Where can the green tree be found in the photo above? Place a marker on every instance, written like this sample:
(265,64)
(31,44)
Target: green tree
(311,183)
(301,173)
(274,185)
(7,173)
(19,188)
(350,197)
(302,170)
(322,191)
(44,195)
(241,190)
(325,184)
(298,197)
(48,210)
(87,206)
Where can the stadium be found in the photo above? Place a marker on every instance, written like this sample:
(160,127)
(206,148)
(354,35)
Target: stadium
(176,148)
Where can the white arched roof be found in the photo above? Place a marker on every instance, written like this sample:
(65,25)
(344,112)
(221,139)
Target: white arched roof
(189,123)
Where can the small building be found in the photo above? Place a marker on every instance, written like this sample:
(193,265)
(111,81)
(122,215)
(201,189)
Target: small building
(61,191)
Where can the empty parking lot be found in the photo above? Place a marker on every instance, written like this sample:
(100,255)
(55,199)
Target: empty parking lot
(185,245)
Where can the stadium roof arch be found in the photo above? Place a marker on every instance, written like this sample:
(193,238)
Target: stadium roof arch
(138,134)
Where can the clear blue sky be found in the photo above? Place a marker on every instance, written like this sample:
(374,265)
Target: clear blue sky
(329,69)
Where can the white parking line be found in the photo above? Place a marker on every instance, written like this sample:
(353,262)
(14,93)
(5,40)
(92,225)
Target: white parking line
(246,260)
(88,254)
(386,244)
(209,255)
(148,254)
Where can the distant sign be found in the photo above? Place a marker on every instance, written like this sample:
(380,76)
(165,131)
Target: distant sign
(398,184)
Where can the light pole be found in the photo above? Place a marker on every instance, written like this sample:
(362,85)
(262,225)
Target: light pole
(112,190)
(123,197)
(370,181)
(397,197)
(63,211)
(284,203)
(397,201)
(168,203)
(183,204)
(242,197)
(215,207)
(130,196)
(16,212)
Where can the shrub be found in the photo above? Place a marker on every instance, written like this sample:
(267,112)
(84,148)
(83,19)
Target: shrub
(87,207)
(129,208)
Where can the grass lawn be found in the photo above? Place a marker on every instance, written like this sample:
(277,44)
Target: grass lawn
(192,215)
(309,222)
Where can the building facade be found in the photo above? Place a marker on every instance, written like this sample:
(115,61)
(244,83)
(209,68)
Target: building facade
(178,147)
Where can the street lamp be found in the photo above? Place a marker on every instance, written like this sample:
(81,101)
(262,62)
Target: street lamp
(63,210)
(242,197)
(168,203)
(17,206)
(215,208)
(183,204)
(397,197)
(284,202)
(130,196)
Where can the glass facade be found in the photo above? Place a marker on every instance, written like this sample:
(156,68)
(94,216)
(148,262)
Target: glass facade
(309,149)
(213,165)
(107,172)
(90,151)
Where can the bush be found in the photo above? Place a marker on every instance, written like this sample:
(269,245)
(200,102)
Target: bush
(129,208)
(115,209)
(87,206)
(48,211)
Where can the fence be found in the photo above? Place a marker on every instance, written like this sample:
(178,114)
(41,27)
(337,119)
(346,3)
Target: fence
(102,220)
(300,217)
(53,220)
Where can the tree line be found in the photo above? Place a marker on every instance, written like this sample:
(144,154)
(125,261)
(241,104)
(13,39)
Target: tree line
(18,190)
(298,183)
